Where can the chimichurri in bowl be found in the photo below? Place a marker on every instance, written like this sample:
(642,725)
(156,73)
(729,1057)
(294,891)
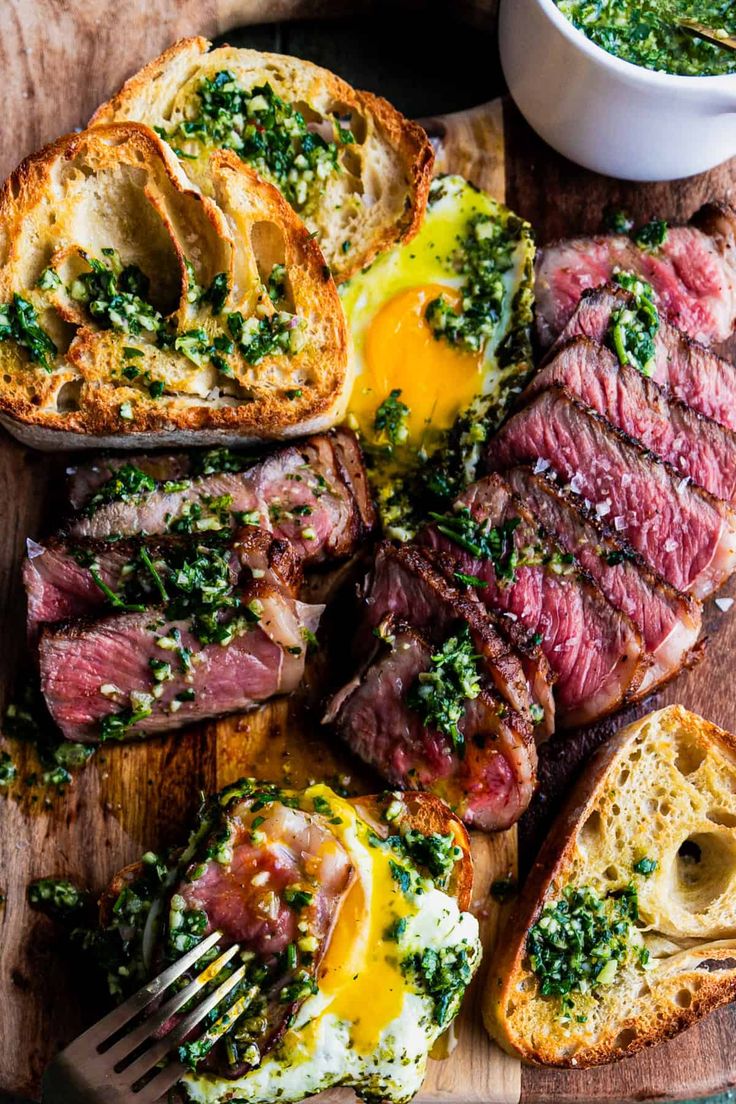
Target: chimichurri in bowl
(645,32)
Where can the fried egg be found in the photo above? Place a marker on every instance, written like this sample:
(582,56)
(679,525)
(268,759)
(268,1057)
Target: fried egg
(369,1025)
(433,377)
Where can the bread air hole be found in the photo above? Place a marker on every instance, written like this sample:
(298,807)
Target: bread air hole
(723,817)
(68,398)
(683,998)
(624,1039)
(689,757)
(269,249)
(705,868)
(591,832)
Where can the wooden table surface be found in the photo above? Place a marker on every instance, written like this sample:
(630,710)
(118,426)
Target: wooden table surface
(59,59)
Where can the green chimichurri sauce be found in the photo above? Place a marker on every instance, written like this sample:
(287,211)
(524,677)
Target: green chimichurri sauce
(645,32)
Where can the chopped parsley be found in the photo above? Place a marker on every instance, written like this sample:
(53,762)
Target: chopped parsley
(486,253)
(257,338)
(444,975)
(579,942)
(651,236)
(266,132)
(57,896)
(482,540)
(645,866)
(440,694)
(126,482)
(8,770)
(116,726)
(435,852)
(633,329)
(115,295)
(19,323)
(390,422)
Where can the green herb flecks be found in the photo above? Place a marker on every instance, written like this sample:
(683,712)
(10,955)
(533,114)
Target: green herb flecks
(116,295)
(444,975)
(494,543)
(651,236)
(485,254)
(125,483)
(440,694)
(8,770)
(633,329)
(266,132)
(272,335)
(645,866)
(580,942)
(435,852)
(19,323)
(390,422)
(56,896)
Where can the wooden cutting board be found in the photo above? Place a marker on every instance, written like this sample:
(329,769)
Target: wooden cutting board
(59,60)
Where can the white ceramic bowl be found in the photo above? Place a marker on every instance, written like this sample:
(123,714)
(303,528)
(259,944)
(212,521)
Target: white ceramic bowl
(607,114)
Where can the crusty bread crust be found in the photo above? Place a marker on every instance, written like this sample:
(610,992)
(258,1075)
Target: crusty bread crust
(696,978)
(140,202)
(391,164)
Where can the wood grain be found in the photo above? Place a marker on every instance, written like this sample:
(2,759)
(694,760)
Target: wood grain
(59,60)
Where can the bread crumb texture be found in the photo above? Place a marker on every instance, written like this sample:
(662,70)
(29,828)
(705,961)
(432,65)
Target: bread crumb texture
(131,303)
(656,814)
(349,163)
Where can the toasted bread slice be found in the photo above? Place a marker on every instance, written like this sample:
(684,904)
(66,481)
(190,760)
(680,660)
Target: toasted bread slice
(138,312)
(359,191)
(662,792)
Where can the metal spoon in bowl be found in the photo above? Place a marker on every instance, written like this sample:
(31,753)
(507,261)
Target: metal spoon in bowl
(710,34)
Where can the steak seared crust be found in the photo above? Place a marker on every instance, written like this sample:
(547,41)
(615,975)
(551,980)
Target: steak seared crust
(314,495)
(683,533)
(686,369)
(405,585)
(693,274)
(489,782)
(669,621)
(595,651)
(695,446)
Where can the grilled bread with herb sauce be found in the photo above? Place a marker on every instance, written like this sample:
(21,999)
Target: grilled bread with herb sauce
(353,915)
(134,310)
(349,163)
(625,932)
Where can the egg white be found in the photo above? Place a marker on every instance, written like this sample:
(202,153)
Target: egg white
(321,1048)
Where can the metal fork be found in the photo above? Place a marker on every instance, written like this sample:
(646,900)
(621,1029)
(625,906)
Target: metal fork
(106,1066)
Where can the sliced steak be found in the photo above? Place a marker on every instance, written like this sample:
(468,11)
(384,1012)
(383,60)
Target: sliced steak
(669,621)
(693,275)
(314,494)
(488,780)
(696,446)
(406,585)
(107,680)
(72,579)
(691,372)
(681,531)
(595,651)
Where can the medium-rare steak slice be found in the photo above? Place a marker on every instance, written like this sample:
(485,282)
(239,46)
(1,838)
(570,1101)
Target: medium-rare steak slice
(139,673)
(693,273)
(697,447)
(485,770)
(314,494)
(405,584)
(691,372)
(669,621)
(72,579)
(682,532)
(595,651)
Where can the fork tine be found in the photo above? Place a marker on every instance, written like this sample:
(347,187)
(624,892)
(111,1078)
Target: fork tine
(97,1035)
(164,1046)
(164,1080)
(150,1026)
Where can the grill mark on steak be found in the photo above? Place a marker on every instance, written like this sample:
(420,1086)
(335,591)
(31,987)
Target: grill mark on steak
(595,651)
(689,371)
(693,275)
(314,495)
(668,620)
(695,446)
(77,660)
(682,532)
(489,784)
(60,586)
(405,585)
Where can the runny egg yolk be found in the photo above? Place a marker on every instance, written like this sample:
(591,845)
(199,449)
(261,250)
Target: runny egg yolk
(437,380)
